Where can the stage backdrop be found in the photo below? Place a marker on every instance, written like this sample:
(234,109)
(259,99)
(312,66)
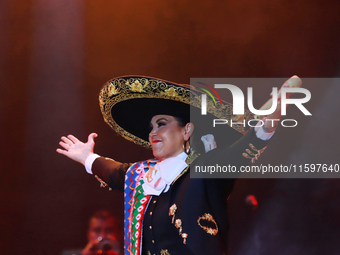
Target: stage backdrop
(56,55)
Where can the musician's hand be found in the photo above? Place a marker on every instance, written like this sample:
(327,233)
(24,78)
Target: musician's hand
(75,149)
(88,250)
(106,246)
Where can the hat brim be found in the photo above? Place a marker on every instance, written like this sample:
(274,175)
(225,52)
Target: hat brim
(129,102)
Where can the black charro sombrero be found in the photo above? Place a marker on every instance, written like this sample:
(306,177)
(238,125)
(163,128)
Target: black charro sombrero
(129,102)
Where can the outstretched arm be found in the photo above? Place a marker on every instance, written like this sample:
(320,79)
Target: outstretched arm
(106,170)
(270,126)
(249,147)
(75,149)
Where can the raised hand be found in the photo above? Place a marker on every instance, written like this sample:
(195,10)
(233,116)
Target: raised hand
(269,126)
(75,149)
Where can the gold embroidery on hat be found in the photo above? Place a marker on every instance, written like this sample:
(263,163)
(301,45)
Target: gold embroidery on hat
(210,218)
(137,86)
(171,92)
(112,90)
(123,88)
(253,155)
(237,117)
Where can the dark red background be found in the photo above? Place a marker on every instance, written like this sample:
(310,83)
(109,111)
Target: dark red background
(56,55)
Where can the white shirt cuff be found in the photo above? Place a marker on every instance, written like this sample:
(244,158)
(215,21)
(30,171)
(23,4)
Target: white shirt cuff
(89,161)
(263,135)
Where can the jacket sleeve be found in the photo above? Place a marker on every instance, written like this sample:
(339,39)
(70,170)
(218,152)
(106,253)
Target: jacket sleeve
(245,150)
(110,172)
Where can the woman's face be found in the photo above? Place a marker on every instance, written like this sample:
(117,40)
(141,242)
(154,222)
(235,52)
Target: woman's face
(167,136)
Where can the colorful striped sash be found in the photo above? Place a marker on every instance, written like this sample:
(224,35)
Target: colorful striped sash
(135,205)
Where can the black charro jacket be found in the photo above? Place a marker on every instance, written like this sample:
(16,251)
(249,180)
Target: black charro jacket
(199,224)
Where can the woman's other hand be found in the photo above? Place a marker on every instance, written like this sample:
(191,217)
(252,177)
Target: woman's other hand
(75,149)
(275,117)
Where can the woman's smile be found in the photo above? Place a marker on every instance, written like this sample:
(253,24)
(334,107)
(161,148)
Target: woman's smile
(156,141)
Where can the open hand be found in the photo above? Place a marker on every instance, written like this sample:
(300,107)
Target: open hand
(75,149)
(270,126)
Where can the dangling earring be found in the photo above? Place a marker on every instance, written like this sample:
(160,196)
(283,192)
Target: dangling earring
(187,151)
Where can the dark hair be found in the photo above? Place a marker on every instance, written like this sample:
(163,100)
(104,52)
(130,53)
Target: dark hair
(181,121)
(195,138)
(102,215)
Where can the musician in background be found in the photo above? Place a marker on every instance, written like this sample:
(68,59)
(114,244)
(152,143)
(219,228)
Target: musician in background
(102,236)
